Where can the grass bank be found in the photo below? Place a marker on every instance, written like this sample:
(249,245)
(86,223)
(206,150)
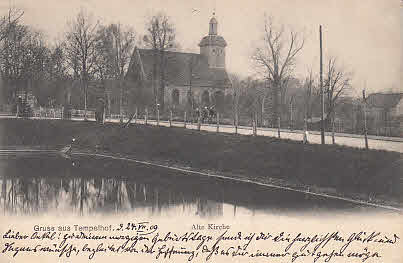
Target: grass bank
(357,173)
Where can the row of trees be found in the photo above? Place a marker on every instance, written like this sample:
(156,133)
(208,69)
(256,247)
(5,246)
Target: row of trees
(89,51)
(298,100)
(278,92)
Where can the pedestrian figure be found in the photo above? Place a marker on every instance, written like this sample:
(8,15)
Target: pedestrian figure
(19,106)
(306,133)
(205,114)
(99,113)
(212,113)
(197,114)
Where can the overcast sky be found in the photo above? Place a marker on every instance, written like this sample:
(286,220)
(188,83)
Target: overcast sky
(365,35)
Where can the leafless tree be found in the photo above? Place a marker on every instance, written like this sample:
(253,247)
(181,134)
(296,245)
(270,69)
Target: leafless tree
(7,21)
(310,93)
(337,83)
(80,48)
(124,42)
(115,46)
(276,56)
(11,55)
(236,85)
(160,37)
(24,56)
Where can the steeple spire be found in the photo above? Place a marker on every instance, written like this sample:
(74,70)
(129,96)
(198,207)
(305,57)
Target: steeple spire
(213,25)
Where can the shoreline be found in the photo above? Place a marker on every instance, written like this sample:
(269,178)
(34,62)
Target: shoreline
(244,179)
(371,177)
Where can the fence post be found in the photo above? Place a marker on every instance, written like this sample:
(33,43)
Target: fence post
(146,117)
(236,123)
(218,122)
(170,119)
(278,125)
(199,123)
(333,139)
(62,113)
(305,135)
(158,116)
(18,110)
(253,126)
(135,116)
(184,120)
(365,127)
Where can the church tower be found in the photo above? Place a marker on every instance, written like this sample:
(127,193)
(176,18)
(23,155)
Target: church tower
(213,46)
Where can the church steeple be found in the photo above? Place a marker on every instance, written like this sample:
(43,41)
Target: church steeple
(213,46)
(213,25)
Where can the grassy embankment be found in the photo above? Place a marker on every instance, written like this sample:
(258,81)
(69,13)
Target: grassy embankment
(344,171)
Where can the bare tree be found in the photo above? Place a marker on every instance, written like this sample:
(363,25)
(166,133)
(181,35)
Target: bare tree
(337,83)
(35,60)
(13,55)
(276,57)
(124,42)
(58,78)
(160,37)
(236,84)
(309,95)
(11,37)
(115,46)
(23,58)
(80,48)
(7,21)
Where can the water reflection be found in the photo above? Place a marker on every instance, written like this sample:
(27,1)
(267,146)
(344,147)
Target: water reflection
(85,186)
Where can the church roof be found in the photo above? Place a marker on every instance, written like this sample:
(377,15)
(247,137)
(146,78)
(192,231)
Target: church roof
(384,100)
(179,67)
(213,40)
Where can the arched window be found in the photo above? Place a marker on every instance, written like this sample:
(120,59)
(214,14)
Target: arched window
(175,97)
(205,98)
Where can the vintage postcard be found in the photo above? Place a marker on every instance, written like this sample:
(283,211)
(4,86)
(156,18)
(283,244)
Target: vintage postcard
(201,131)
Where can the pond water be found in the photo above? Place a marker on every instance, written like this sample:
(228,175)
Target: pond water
(51,184)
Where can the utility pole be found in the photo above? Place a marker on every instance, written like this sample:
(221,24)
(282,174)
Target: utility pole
(322,100)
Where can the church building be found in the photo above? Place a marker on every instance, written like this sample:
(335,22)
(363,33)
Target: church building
(201,76)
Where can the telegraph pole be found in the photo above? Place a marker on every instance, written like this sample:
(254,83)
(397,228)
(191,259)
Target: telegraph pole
(322,100)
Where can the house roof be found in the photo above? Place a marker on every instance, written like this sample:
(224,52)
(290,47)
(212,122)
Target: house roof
(179,67)
(384,100)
